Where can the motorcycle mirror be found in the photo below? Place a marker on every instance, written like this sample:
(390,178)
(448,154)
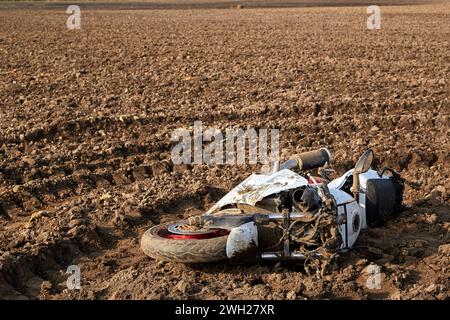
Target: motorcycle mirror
(361,166)
(364,162)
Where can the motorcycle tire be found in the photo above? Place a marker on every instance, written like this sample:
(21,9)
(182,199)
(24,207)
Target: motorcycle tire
(182,250)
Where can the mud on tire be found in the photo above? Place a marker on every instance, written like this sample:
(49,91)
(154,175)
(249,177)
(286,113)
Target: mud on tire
(182,250)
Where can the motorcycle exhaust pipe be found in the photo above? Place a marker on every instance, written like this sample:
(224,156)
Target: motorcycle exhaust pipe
(313,159)
(308,160)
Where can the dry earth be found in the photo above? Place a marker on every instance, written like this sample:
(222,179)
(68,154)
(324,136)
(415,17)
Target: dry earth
(86,118)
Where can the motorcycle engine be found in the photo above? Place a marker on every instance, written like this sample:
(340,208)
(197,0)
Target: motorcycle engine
(306,199)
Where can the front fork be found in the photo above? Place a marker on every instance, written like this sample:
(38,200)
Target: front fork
(234,221)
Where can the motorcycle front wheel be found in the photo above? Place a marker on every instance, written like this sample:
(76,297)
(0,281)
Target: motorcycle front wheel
(164,243)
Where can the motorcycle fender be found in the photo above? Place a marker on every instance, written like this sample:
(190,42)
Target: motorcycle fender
(242,241)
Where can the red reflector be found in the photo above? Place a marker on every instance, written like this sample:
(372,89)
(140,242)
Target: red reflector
(318,180)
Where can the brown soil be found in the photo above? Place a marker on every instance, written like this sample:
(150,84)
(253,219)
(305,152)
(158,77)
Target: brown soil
(86,118)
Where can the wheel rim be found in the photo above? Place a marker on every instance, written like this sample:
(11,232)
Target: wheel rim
(172,232)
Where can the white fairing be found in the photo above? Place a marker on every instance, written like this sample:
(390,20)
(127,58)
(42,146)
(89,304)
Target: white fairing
(340,196)
(348,207)
(363,177)
(242,240)
(258,186)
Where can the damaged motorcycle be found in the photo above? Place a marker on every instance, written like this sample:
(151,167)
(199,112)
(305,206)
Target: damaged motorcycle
(282,215)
